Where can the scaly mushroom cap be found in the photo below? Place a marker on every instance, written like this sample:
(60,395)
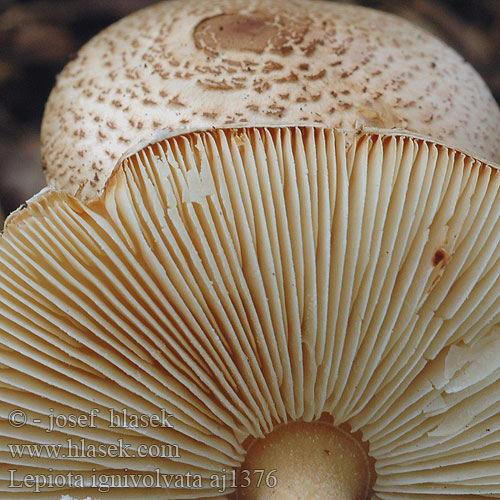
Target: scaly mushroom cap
(188,65)
(280,294)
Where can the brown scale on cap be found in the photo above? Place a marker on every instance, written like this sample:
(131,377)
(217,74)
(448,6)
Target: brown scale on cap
(178,66)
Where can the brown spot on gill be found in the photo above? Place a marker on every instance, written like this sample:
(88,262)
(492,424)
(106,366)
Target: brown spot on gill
(440,256)
(255,33)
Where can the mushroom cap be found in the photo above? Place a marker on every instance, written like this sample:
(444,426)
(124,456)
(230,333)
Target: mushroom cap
(188,65)
(241,279)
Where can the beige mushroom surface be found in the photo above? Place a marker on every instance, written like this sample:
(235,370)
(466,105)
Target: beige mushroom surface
(243,280)
(272,307)
(187,65)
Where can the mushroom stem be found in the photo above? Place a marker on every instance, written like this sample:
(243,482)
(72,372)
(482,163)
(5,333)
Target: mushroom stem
(313,460)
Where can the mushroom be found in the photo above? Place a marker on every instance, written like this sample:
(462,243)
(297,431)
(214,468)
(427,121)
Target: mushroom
(276,292)
(191,65)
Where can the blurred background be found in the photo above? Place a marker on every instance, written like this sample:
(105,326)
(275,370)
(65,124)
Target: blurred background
(38,37)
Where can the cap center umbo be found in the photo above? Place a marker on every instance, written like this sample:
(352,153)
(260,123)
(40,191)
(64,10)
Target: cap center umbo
(255,32)
(313,460)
